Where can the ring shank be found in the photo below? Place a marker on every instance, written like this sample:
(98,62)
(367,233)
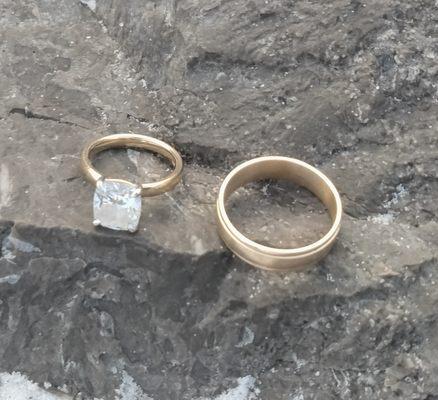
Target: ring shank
(127,140)
(281,168)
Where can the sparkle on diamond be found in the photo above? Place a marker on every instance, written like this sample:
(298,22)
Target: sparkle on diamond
(117,205)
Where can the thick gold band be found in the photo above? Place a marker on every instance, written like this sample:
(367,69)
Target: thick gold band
(125,140)
(284,168)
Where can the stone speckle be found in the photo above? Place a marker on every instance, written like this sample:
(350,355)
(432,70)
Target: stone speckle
(169,313)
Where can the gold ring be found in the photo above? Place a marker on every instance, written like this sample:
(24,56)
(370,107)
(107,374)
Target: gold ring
(117,202)
(285,168)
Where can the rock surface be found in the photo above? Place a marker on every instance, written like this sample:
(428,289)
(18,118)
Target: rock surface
(169,313)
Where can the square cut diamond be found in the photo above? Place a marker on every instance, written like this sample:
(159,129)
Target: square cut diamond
(117,205)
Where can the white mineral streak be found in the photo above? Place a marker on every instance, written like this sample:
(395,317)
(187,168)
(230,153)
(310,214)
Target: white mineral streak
(247,338)
(5,186)
(11,244)
(388,217)
(399,193)
(11,279)
(197,245)
(245,390)
(298,396)
(383,219)
(15,386)
(134,156)
(130,390)
(175,203)
(91,4)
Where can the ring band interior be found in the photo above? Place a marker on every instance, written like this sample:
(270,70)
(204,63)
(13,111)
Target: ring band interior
(284,170)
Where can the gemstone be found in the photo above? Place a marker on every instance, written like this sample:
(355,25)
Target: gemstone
(117,205)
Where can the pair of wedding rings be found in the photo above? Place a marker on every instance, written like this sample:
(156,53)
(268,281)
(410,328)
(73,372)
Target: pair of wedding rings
(117,202)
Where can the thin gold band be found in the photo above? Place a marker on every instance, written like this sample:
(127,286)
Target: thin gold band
(125,140)
(285,168)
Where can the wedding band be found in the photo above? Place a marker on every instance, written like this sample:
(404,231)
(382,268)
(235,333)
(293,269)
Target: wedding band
(117,202)
(284,168)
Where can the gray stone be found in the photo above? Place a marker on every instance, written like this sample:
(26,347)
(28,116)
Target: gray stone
(169,313)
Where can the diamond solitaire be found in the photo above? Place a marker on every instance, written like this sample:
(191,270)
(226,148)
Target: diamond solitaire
(117,205)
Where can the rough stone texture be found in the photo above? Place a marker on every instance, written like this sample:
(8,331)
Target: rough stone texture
(349,86)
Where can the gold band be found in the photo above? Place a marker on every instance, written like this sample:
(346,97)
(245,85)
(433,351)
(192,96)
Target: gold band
(125,140)
(299,172)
